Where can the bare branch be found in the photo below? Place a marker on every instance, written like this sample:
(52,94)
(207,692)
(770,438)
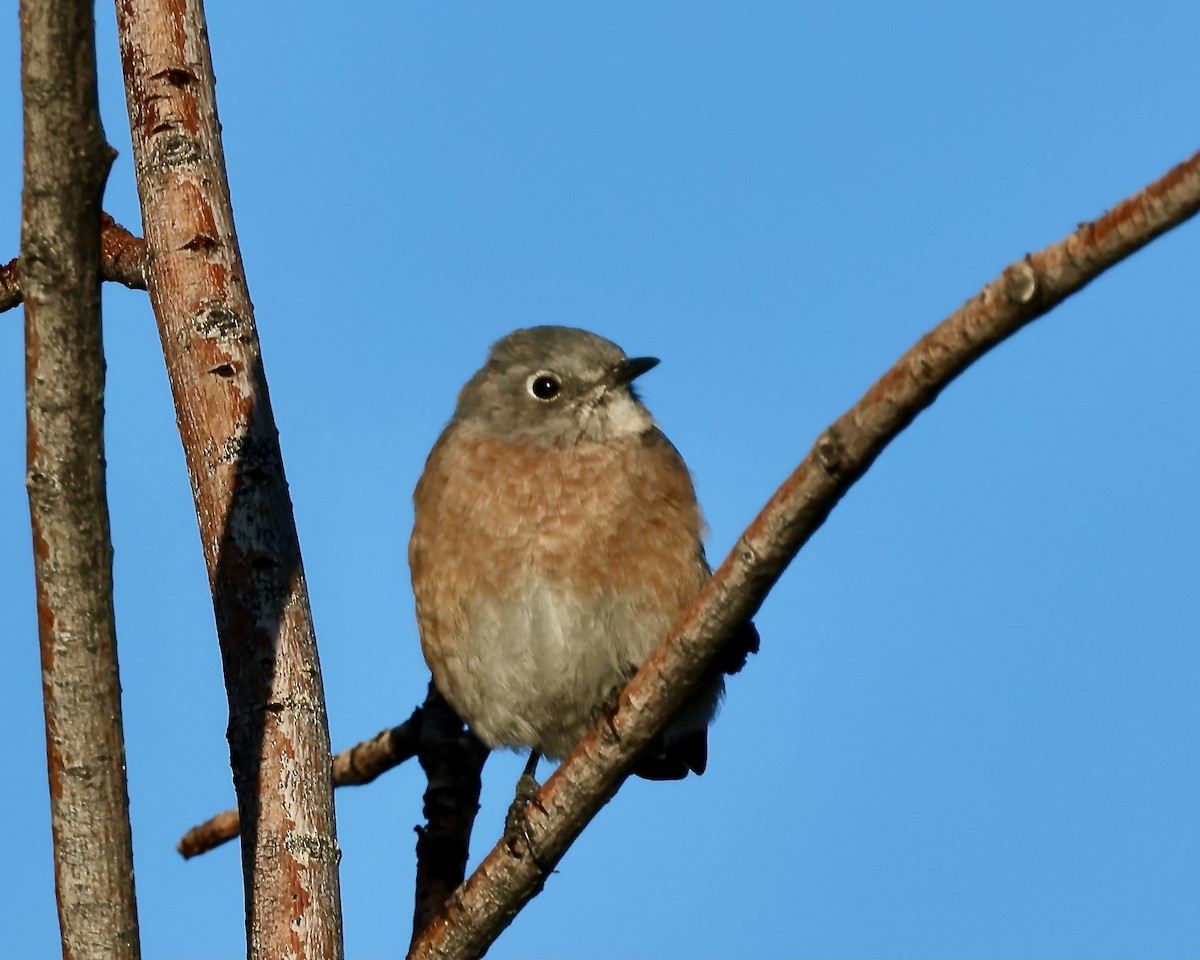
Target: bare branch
(1027,289)
(122,255)
(365,761)
(361,764)
(66,164)
(278,727)
(210,834)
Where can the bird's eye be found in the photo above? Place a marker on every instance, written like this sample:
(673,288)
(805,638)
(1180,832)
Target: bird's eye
(545,386)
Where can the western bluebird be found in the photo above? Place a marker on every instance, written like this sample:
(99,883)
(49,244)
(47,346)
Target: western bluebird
(557,539)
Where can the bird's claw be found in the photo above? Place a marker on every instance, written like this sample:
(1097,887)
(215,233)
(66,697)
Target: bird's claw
(516,821)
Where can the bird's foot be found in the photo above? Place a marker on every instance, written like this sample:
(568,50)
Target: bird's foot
(516,822)
(609,709)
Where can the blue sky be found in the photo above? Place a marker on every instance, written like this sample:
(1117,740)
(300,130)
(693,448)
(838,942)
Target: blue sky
(973,728)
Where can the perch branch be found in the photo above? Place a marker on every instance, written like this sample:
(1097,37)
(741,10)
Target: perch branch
(504,882)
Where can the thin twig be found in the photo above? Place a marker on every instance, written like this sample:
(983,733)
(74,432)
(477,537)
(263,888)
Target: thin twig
(122,255)
(361,764)
(210,834)
(10,284)
(1027,289)
(389,748)
(122,260)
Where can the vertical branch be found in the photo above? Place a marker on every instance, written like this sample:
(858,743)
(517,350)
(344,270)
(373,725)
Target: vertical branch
(66,165)
(452,758)
(278,730)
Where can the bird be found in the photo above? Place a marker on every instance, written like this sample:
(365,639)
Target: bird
(556,539)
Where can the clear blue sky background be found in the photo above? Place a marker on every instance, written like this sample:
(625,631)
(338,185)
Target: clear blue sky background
(973,728)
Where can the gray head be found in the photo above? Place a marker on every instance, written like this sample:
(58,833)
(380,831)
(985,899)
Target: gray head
(553,386)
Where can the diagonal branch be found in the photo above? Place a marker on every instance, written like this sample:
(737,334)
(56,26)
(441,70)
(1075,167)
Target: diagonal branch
(66,165)
(1026,290)
(278,726)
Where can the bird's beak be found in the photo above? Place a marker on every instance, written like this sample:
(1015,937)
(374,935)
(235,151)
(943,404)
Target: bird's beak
(631,368)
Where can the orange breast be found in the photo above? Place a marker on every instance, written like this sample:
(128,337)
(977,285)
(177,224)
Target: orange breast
(612,527)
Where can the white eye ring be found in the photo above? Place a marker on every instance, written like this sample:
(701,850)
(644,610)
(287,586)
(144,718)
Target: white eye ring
(544,386)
